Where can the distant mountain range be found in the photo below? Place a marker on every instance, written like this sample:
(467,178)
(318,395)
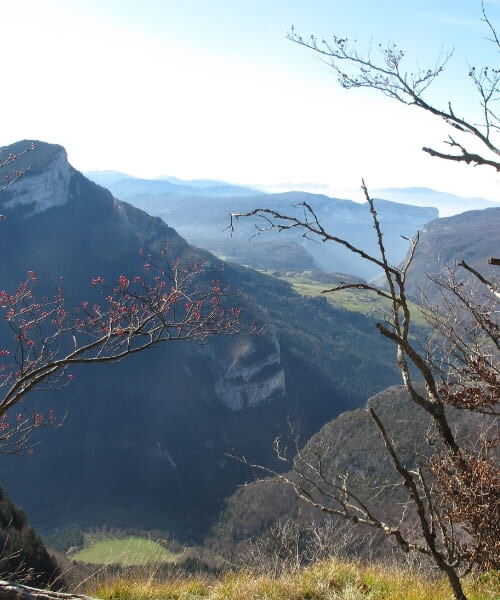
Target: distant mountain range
(447,204)
(125,186)
(177,203)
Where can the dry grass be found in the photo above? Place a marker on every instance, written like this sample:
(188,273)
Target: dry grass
(328,580)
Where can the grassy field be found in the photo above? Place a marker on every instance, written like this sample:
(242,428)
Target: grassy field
(329,580)
(362,301)
(126,551)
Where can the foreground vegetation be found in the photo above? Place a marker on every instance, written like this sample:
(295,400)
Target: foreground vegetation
(127,565)
(328,580)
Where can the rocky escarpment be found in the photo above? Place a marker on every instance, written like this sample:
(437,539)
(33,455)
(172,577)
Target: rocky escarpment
(254,375)
(42,188)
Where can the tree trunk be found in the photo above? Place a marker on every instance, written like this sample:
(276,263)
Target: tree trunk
(455,583)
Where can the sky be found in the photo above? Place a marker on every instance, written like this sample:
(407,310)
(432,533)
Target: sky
(214,89)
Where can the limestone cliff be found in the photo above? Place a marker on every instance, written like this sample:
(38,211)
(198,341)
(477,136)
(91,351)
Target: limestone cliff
(42,188)
(254,375)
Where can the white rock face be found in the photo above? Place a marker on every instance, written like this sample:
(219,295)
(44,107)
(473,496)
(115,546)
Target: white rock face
(43,190)
(248,386)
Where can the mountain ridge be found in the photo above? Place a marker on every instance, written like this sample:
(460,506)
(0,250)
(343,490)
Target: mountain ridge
(144,443)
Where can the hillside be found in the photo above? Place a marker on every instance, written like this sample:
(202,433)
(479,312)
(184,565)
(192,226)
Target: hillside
(125,186)
(23,557)
(349,445)
(472,236)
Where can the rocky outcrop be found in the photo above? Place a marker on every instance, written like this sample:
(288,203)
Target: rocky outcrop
(42,189)
(253,377)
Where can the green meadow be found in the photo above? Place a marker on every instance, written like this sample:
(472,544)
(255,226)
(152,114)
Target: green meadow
(126,551)
(362,301)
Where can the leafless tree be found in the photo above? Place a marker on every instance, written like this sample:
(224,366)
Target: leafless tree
(384,70)
(454,494)
(289,544)
(454,536)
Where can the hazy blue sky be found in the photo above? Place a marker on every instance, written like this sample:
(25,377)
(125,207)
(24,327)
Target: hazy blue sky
(212,88)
